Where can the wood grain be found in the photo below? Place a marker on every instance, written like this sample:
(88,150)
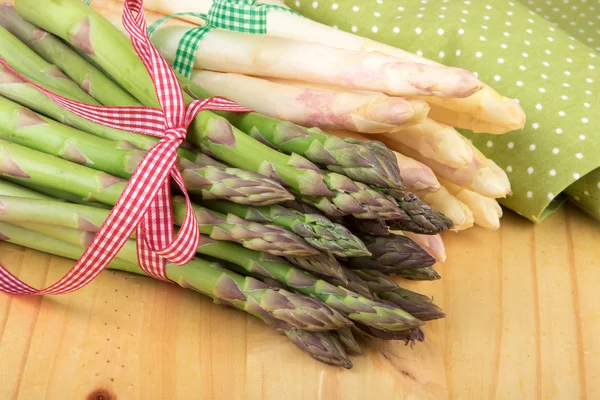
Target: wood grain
(523,323)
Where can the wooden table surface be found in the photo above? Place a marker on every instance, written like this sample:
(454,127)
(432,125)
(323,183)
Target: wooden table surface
(523,323)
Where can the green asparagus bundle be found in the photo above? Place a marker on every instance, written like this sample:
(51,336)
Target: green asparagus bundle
(56,215)
(24,164)
(380,315)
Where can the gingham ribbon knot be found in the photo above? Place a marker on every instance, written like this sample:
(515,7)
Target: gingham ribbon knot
(145,204)
(175,135)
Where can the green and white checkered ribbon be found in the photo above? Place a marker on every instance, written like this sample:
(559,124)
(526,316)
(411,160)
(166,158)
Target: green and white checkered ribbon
(186,50)
(244,16)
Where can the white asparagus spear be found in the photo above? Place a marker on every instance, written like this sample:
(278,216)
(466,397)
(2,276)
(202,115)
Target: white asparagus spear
(450,206)
(486,211)
(433,244)
(480,176)
(458,119)
(420,107)
(435,141)
(416,176)
(271,56)
(309,106)
(490,111)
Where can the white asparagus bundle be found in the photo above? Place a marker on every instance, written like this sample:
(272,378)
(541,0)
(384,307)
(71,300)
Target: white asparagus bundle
(432,244)
(416,176)
(486,212)
(434,141)
(481,175)
(444,202)
(484,111)
(311,106)
(271,56)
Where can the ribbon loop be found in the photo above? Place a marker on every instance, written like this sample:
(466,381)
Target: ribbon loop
(145,204)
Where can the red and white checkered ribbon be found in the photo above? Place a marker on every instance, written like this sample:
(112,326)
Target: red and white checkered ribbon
(145,204)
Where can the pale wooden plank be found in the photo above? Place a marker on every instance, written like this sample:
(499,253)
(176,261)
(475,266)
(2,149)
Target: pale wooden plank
(518,374)
(473,285)
(583,235)
(560,360)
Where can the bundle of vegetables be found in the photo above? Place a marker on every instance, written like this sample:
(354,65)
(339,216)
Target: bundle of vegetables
(294,222)
(353,87)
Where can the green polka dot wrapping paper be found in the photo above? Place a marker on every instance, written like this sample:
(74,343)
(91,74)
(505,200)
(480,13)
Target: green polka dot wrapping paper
(543,53)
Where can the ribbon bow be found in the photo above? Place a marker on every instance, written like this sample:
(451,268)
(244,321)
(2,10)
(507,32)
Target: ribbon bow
(145,204)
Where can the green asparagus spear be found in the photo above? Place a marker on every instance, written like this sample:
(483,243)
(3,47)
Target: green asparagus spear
(371,227)
(417,304)
(349,343)
(423,219)
(52,193)
(24,60)
(316,229)
(322,264)
(353,283)
(58,53)
(409,335)
(26,165)
(361,163)
(322,346)
(391,254)
(376,281)
(14,190)
(419,274)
